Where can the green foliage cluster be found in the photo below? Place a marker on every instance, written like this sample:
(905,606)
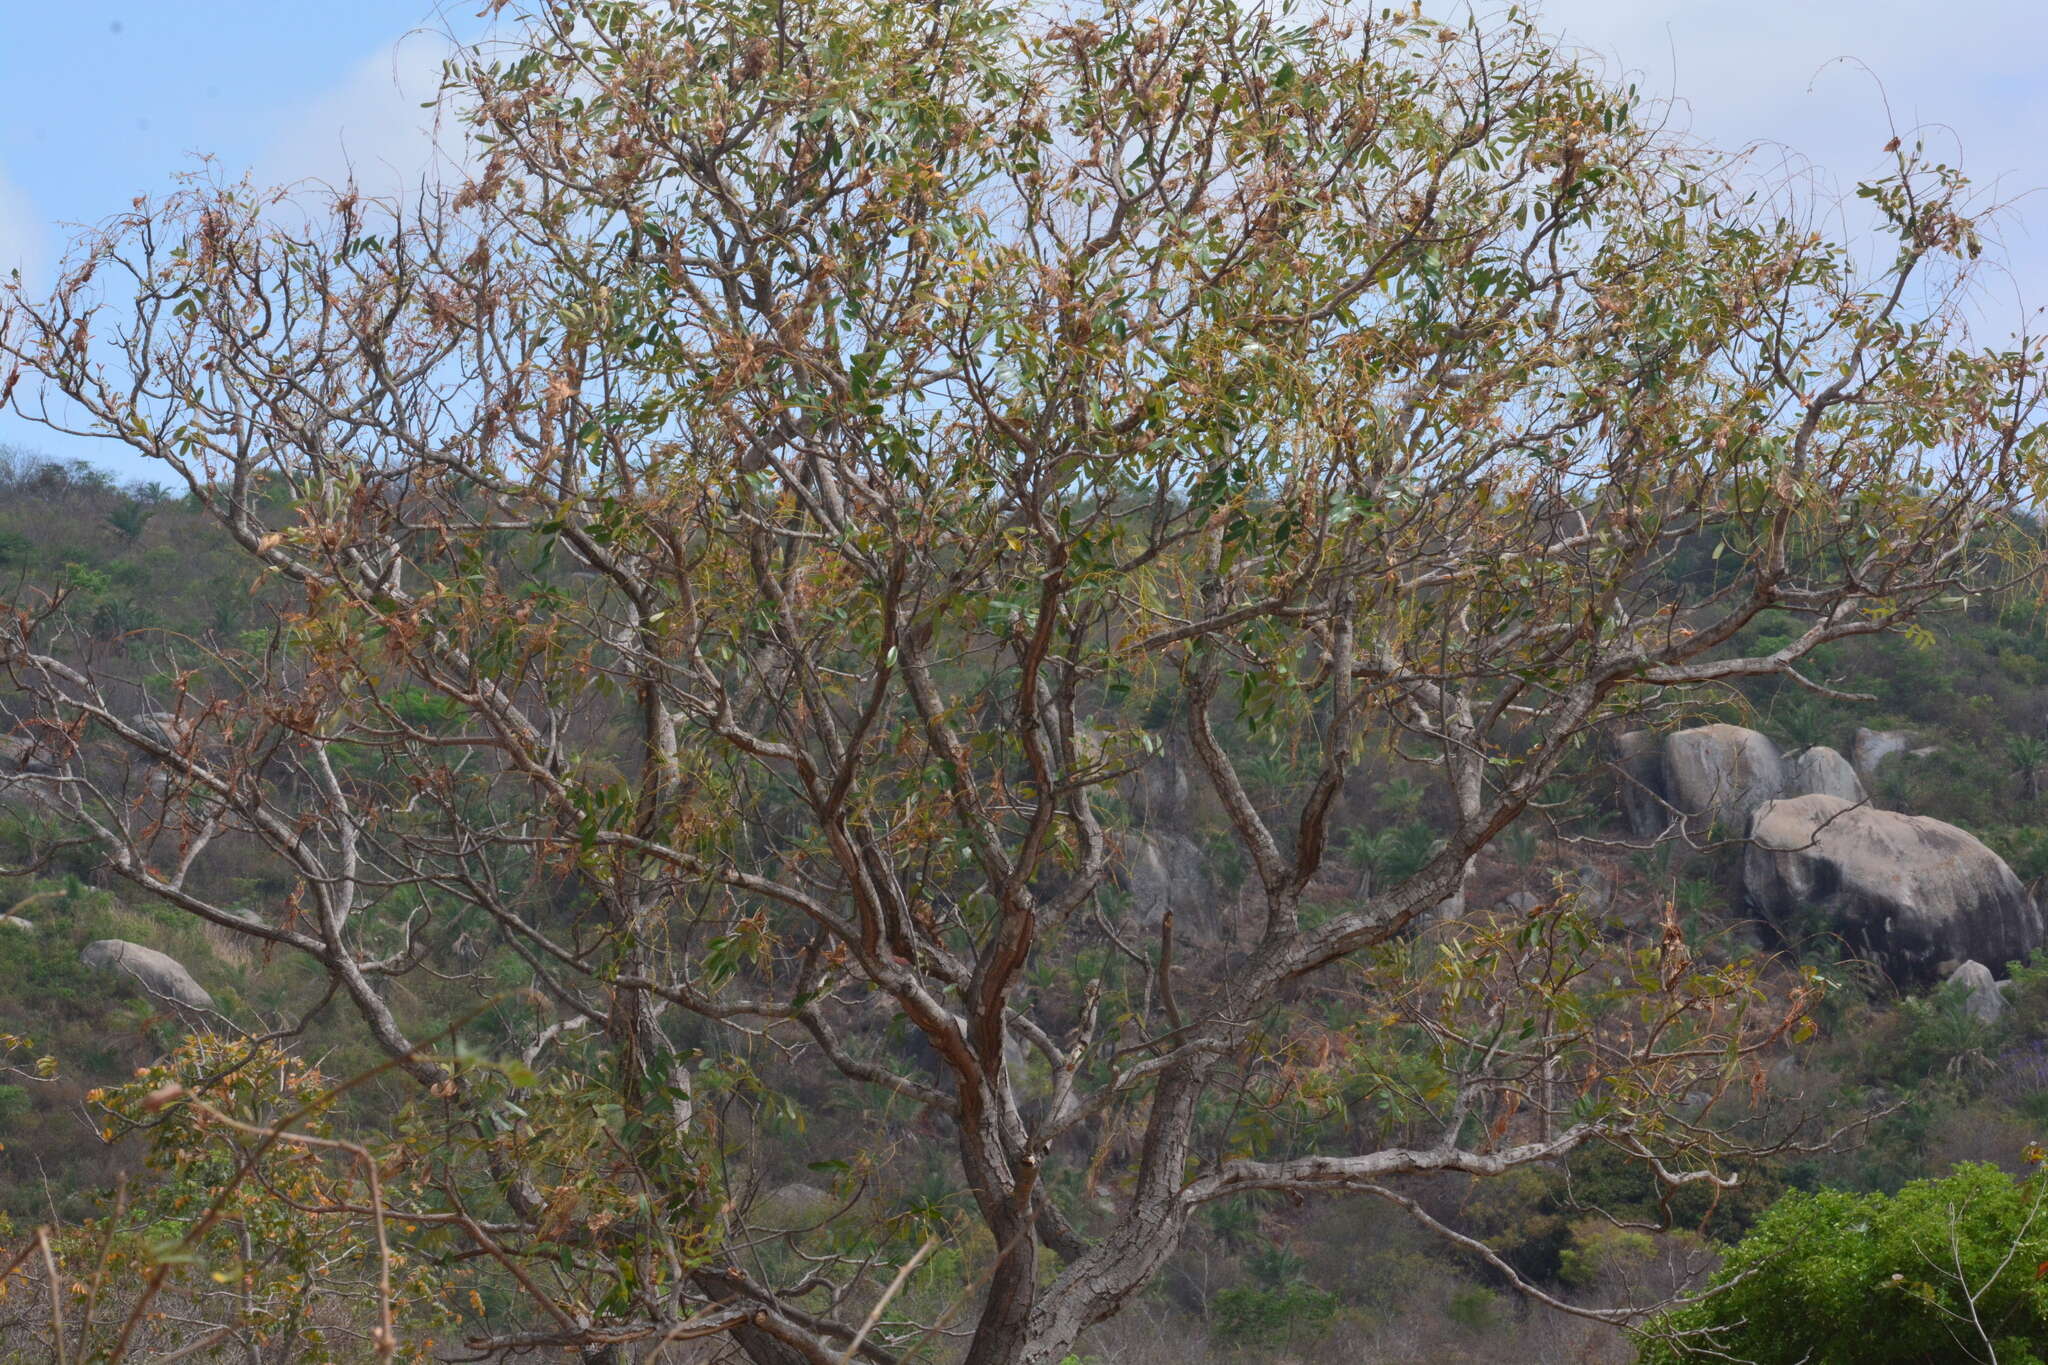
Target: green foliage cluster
(1286,1315)
(1947,1269)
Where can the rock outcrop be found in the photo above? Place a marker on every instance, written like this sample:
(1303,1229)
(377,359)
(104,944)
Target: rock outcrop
(1981,996)
(24,774)
(1162,794)
(1717,776)
(1587,887)
(18,755)
(159,974)
(1593,887)
(1158,861)
(1905,890)
(162,726)
(1821,771)
(1872,747)
(1164,872)
(1639,758)
(169,729)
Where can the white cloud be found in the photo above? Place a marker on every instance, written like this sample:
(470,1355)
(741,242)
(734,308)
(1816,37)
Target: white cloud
(1820,85)
(1819,77)
(24,241)
(370,129)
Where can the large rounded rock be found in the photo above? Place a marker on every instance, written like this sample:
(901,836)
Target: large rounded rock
(1904,890)
(19,755)
(1163,791)
(1639,758)
(1979,989)
(1720,775)
(1872,747)
(1165,873)
(23,774)
(1592,886)
(159,974)
(1821,771)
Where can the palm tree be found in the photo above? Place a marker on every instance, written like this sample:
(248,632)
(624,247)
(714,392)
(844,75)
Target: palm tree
(1371,852)
(1414,845)
(2027,754)
(1272,773)
(1522,843)
(128,519)
(1803,722)
(1400,797)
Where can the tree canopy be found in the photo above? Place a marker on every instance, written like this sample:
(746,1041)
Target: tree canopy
(1946,1269)
(831,487)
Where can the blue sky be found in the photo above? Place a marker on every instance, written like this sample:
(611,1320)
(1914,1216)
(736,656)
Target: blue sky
(102,100)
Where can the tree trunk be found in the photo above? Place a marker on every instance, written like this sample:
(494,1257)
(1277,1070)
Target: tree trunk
(1004,1328)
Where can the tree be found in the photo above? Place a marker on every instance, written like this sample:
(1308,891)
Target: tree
(792,462)
(1946,1269)
(2027,753)
(129,518)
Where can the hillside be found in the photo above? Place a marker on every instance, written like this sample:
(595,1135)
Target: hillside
(152,586)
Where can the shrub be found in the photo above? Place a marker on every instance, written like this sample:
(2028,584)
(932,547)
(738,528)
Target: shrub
(1946,1269)
(1271,1317)
(1599,1250)
(1473,1308)
(14,1104)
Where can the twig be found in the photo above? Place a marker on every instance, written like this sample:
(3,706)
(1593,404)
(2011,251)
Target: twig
(56,1293)
(931,1244)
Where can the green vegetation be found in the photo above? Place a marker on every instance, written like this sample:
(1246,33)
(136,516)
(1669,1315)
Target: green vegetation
(921,684)
(1945,1269)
